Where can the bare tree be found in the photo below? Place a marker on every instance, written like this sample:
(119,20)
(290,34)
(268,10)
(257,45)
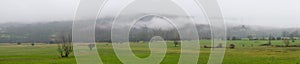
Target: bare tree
(65,47)
(270,39)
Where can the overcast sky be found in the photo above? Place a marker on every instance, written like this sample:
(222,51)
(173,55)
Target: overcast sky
(36,10)
(274,13)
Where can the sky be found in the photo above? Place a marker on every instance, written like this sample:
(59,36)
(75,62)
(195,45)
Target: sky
(272,13)
(36,10)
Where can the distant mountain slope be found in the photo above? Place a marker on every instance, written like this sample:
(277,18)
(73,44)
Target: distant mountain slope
(41,32)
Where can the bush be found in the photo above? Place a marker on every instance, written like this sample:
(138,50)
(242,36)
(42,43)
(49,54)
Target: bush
(232,46)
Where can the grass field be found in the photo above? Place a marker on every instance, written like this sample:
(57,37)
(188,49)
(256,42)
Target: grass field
(47,53)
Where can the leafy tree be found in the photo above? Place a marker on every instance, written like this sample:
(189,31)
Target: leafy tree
(285,34)
(91,46)
(250,37)
(32,44)
(293,34)
(176,43)
(234,38)
(278,38)
(19,43)
(292,38)
(176,40)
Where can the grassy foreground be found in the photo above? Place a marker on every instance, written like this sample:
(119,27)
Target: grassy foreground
(247,54)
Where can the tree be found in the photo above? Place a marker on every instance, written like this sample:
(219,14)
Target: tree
(286,42)
(91,46)
(270,39)
(292,35)
(32,44)
(228,38)
(285,34)
(176,40)
(250,37)
(273,38)
(19,43)
(296,33)
(144,34)
(278,38)
(232,46)
(220,45)
(234,38)
(65,47)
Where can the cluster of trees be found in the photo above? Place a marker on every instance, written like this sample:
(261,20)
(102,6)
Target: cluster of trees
(285,35)
(256,38)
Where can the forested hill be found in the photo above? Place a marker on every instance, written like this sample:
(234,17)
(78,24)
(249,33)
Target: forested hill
(31,32)
(41,32)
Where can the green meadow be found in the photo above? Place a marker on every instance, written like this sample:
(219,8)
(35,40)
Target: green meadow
(246,52)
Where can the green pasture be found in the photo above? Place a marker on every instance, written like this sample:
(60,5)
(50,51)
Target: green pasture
(246,52)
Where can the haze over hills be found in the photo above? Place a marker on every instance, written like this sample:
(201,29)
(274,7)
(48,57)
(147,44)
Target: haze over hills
(42,31)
